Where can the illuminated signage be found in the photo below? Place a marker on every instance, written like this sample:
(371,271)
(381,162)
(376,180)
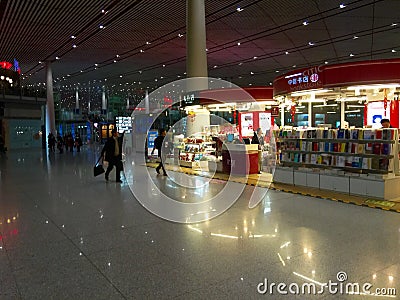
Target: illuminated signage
(191,98)
(9,66)
(123,124)
(304,80)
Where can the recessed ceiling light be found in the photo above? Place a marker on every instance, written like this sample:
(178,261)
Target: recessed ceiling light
(163,66)
(251,73)
(240,64)
(141,50)
(96,65)
(103,11)
(311,43)
(342,5)
(215,67)
(250,84)
(238,43)
(326,62)
(305,23)
(81,71)
(294,66)
(117,55)
(57,57)
(180,35)
(120,76)
(239,9)
(277,71)
(101,27)
(73,37)
(255,57)
(287,52)
(40,62)
(270,83)
(74,46)
(115,61)
(206,49)
(351,54)
(355,37)
(148,43)
(394,24)
(393,50)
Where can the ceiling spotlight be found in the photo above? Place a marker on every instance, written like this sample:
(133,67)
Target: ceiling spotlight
(239,9)
(326,62)
(342,5)
(148,43)
(287,52)
(120,76)
(96,65)
(103,11)
(57,57)
(117,55)
(73,37)
(255,57)
(101,27)
(277,71)
(294,66)
(215,67)
(240,63)
(180,35)
(40,62)
(394,24)
(394,51)
(206,49)
(311,43)
(355,37)
(305,23)
(251,73)
(163,66)
(351,55)
(81,71)
(115,61)
(238,43)
(74,46)
(141,50)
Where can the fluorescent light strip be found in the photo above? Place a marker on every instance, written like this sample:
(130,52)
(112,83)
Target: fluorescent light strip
(323,105)
(309,279)
(351,111)
(353,105)
(373,86)
(331,112)
(294,75)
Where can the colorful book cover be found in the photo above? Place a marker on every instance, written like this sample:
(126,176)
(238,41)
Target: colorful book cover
(343,147)
(376,148)
(341,162)
(326,146)
(368,148)
(386,149)
(361,148)
(354,134)
(340,134)
(378,135)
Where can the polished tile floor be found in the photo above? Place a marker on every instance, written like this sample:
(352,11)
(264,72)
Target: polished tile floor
(68,235)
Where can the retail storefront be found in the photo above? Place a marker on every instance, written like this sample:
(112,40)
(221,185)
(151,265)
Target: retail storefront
(221,123)
(332,137)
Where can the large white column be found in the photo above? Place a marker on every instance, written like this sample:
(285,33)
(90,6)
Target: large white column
(76,99)
(146,102)
(103,101)
(195,123)
(196,55)
(50,115)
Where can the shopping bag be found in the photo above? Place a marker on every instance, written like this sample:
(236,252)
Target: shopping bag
(98,169)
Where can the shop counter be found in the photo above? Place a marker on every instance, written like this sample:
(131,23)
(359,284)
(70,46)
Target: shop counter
(239,159)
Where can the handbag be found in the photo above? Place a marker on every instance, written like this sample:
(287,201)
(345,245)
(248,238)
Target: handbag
(98,168)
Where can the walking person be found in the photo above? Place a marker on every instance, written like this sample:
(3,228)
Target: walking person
(158,144)
(51,140)
(112,152)
(78,143)
(258,138)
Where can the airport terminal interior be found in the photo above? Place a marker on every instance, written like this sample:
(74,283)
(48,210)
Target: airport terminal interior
(276,123)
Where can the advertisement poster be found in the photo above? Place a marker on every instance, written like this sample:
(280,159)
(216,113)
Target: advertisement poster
(265,121)
(247,126)
(151,136)
(376,113)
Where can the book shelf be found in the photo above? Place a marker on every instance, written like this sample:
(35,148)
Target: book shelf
(338,159)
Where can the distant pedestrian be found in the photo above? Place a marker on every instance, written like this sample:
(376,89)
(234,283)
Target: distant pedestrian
(78,143)
(51,140)
(60,144)
(158,144)
(112,152)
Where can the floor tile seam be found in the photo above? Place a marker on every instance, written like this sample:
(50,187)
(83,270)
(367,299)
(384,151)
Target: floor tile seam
(83,254)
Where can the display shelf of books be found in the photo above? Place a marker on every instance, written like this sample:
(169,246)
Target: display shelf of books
(363,150)
(338,158)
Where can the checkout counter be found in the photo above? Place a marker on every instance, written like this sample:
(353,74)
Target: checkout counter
(239,159)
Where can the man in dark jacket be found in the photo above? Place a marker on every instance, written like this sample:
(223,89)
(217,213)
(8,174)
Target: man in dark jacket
(158,143)
(113,154)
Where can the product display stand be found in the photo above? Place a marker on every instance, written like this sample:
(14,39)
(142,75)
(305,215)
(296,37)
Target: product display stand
(354,161)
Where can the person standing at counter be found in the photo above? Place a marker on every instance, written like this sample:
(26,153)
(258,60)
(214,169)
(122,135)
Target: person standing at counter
(258,138)
(386,123)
